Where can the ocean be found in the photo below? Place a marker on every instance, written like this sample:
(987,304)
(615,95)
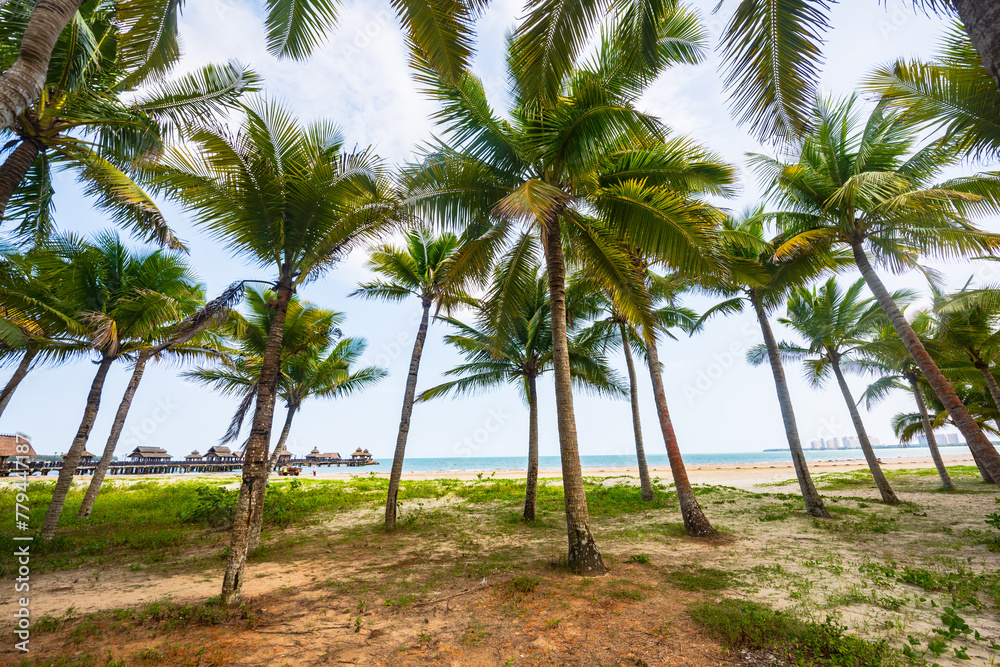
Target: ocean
(488,463)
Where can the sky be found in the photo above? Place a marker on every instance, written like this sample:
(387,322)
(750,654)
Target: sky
(360,80)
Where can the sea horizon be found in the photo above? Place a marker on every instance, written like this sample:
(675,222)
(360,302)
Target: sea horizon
(489,463)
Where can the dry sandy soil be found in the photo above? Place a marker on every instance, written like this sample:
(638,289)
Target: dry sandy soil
(466,585)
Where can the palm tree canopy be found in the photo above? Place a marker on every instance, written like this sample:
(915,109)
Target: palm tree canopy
(953,93)
(521,350)
(123,300)
(586,159)
(104,107)
(280,194)
(427,268)
(856,180)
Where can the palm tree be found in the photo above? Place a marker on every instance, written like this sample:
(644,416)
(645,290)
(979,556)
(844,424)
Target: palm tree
(619,330)
(754,277)
(886,357)
(98,116)
(33,329)
(310,367)
(835,323)
(773,51)
(439,33)
(122,298)
(952,93)
(290,199)
(427,269)
(518,353)
(854,183)
(575,161)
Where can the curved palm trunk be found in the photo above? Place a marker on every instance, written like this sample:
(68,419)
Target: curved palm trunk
(633,391)
(22,369)
(72,459)
(881,482)
(695,521)
(980,445)
(255,454)
(813,501)
(21,85)
(981,19)
(929,432)
(991,384)
(404,420)
(531,487)
(257,519)
(116,431)
(583,556)
(14,168)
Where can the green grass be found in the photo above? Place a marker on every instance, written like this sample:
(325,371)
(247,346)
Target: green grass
(694,578)
(738,624)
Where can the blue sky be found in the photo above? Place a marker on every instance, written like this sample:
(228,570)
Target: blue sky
(360,80)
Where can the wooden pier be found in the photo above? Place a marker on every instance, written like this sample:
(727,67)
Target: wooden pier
(170,467)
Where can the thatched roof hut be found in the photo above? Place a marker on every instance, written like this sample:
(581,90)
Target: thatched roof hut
(10,446)
(149,454)
(193,456)
(219,453)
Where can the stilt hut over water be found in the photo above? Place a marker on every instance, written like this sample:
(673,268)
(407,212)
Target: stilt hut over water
(219,453)
(362,456)
(315,457)
(193,456)
(9,445)
(149,455)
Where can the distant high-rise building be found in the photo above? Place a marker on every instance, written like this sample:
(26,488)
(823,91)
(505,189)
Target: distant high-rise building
(922,440)
(953,438)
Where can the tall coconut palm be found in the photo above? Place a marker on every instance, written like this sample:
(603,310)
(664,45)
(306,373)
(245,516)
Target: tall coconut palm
(426,269)
(99,115)
(755,278)
(122,297)
(289,199)
(834,324)
(440,33)
(581,165)
(310,367)
(620,331)
(855,183)
(518,353)
(887,358)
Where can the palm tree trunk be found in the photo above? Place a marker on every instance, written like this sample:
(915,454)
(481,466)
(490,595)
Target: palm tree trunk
(881,482)
(981,19)
(813,501)
(991,384)
(255,454)
(72,459)
(21,85)
(931,440)
(583,556)
(980,445)
(404,420)
(116,431)
(15,167)
(633,392)
(257,520)
(695,521)
(531,487)
(22,369)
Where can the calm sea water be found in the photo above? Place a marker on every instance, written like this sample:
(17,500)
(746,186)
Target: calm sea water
(488,463)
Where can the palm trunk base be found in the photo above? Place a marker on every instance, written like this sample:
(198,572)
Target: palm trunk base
(695,522)
(987,478)
(584,558)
